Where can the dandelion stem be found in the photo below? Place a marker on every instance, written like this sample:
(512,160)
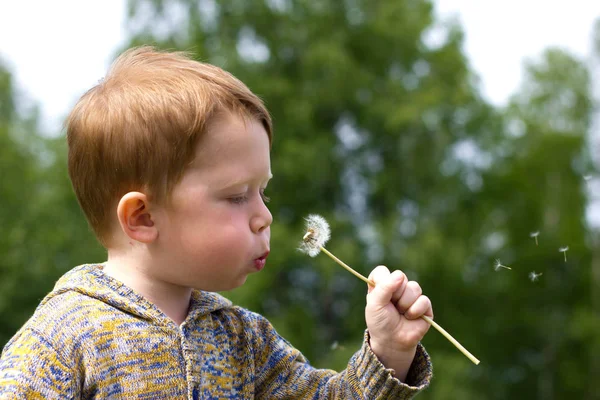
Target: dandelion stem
(343,264)
(425,317)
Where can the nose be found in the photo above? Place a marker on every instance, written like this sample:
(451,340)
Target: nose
(262,219)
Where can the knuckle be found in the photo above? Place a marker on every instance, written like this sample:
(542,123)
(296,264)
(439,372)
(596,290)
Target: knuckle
(415,287)
(399,274)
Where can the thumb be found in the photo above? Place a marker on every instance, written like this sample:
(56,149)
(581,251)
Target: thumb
(385,286)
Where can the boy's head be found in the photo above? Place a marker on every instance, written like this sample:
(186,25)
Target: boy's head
(137,130)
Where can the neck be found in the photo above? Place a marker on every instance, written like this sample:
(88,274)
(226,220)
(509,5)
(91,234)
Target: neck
(173,300)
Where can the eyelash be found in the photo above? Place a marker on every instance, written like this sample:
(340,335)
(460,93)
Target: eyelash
(243,199)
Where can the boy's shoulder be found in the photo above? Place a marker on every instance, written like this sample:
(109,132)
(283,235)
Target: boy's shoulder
(77,306)
(65,314)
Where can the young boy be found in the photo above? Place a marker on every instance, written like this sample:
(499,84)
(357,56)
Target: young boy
(169,159)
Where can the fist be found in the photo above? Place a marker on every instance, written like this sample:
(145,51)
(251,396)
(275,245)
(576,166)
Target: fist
(393,314)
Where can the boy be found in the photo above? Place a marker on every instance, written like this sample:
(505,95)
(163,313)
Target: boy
(169,159)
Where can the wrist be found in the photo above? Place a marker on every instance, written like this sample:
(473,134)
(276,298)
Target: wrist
(397,360)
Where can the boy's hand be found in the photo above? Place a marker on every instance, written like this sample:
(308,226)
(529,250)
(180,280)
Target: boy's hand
(393,314)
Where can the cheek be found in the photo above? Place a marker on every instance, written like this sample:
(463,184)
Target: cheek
(213,235)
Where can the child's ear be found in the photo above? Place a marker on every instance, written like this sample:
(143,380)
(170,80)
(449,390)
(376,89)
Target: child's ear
(135,219)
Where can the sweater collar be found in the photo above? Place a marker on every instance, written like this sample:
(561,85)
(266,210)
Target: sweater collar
(90,280)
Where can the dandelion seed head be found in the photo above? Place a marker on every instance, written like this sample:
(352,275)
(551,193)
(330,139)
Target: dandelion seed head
(534,234)
(317,234)
(565,248)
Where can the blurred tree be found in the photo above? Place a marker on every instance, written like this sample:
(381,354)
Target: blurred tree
(19,173)
(535,183)
(591,329)
(39,216)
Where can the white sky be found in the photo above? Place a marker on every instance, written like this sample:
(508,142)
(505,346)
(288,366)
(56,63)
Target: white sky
(500,34)
(58,49)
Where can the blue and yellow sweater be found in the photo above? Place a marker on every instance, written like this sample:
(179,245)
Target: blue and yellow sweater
(93,337)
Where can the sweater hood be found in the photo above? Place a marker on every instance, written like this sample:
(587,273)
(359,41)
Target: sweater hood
(89,280)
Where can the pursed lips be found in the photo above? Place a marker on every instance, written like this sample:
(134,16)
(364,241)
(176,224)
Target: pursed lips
(264,256)
(259,263)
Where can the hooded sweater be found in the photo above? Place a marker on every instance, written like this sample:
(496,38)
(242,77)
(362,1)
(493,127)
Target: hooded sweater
(93,337)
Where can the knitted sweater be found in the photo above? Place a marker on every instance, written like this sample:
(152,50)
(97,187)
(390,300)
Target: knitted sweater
(93,337)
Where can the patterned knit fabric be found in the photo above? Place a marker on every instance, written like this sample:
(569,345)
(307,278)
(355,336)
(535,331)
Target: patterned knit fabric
(95,338)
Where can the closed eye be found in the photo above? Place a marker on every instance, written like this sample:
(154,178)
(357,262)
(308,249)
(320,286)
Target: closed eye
(238,199)
(241,199)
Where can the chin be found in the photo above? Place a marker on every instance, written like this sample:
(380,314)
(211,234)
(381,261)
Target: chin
(230,286)
(239,283)
(236,284)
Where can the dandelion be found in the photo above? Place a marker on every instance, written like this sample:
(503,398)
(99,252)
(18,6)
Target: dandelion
(313,242)
(498,265)
(533,276)
(587,177)
(564,251)
(317,234)
(535,236)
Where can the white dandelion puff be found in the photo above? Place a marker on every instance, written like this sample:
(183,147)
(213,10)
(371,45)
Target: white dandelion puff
(535,236)
(533,276)
(313,242)
(317,234)
(498,265)
(564,251)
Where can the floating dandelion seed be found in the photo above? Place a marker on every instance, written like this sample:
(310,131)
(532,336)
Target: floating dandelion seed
(498,265)
(535,236)
(336,346)
(533,276)
(564,251)
(318,233)
(587,177)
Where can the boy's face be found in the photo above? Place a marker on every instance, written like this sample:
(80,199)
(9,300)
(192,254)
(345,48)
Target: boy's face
(216,228)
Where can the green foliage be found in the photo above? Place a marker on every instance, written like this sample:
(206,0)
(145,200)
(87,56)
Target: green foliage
(41,224)
(379,127)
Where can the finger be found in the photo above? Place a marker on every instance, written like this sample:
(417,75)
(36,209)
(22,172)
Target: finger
(378,274)
(410,295)
(398,292)
(422,306)
(381,295)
